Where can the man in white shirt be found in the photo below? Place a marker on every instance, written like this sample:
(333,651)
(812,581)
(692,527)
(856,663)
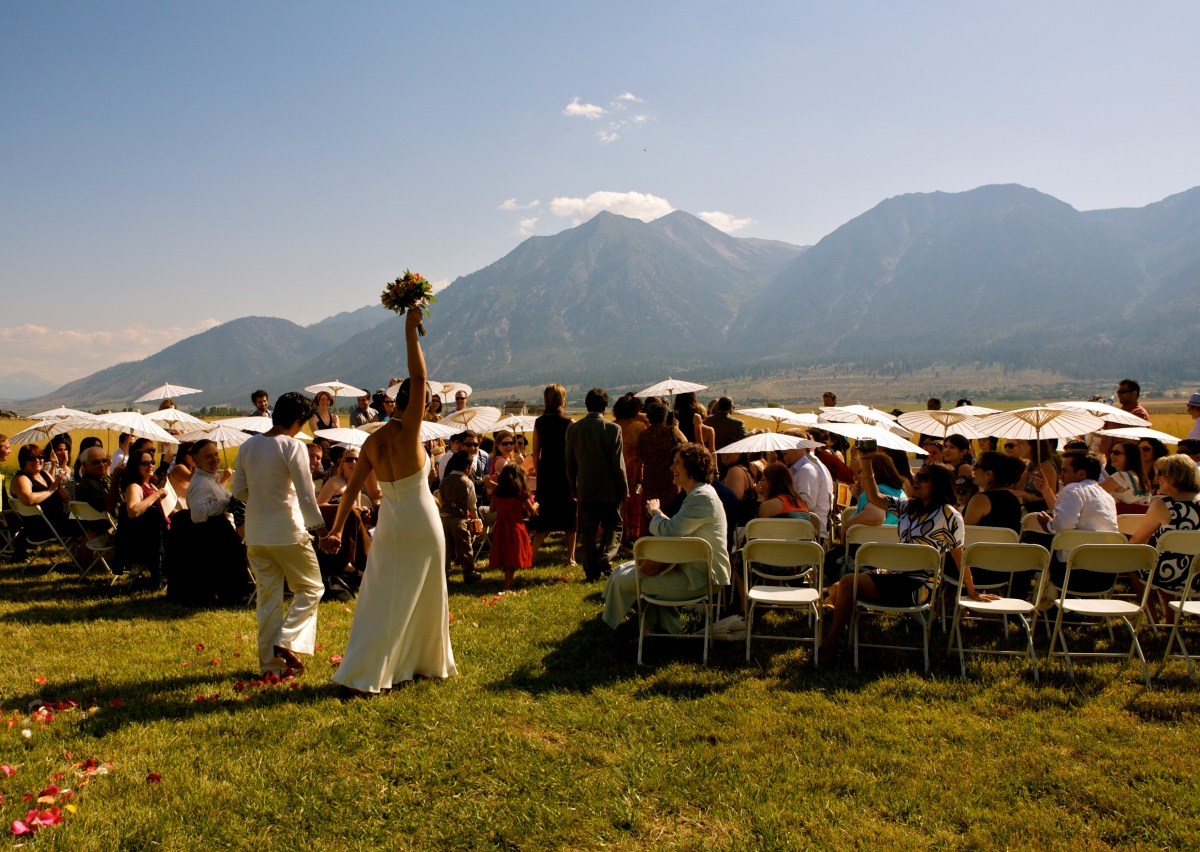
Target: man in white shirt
(273,480)
(453,446)
(1081,505)
(813,481)
(1193,410)
(207,496)
(118,458)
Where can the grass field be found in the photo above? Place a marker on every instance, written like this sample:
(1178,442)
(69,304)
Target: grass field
(552,738)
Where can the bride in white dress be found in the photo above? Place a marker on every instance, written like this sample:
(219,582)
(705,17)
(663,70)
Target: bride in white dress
(401,621)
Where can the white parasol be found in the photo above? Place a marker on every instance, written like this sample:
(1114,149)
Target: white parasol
(451,389)
(942,423)
(1136,433)
(434,388)
(671,387)
(258,425)
(861,414)
(353,437)
(429,431)
(766,442)
(779,416)
(1037,424)
(138,425)
(1109,413)
(478,419)
(515,423)
(173,418)
(167,391)
(223,436)
(883,437)
(60,413)
(47,429)
(336,388)
(973,410)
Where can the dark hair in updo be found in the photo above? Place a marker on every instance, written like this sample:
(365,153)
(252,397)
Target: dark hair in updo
(403,393)
(697,461)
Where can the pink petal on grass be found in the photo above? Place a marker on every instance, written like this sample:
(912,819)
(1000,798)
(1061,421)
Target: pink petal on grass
(7,771)
(20,828)
(318,646)
(335,658)
(216,661)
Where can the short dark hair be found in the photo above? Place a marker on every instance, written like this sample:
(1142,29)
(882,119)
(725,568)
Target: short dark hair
(459,461)
(258,394)
(933,403)
(291,408)
(1188,446)
(697,461)
(467,433)
(724,404)
(596,400)
(27,452)
(122,438)
(656,413)
(200,445)
(958,442)
(1088,463)
(1006,469)
(1132,384)
(961,402)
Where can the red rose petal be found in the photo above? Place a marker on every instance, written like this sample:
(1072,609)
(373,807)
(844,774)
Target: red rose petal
(116,702)
(7,771)
(40,679)
(239,686)
(200,647)
(153,778)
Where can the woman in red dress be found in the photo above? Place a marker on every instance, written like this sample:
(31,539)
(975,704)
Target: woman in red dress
(511,548)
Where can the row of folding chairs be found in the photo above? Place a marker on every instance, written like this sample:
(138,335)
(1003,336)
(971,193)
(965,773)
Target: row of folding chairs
(64,547)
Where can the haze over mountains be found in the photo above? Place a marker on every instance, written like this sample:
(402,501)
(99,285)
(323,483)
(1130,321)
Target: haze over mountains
(1000,274)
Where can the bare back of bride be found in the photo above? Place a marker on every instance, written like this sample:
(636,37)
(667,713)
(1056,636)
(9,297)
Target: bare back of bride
(401,625)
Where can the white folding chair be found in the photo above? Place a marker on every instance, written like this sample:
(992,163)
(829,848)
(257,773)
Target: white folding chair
(990,535)
(780,529)
(672,551)
(806,557)
(863,534)
(977,535)
(898,559)
(1030,523)
(83,513)
(1113,559)
(7,532)
(1007,558)
(1128,524)
(1186,542)
(52,539)
(1067,541)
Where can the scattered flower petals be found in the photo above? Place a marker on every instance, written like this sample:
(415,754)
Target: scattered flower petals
(48,796)
(7,771)
(26,733)
(153,778)
(216,661)
(70,809)
(318,646)
(19,827)
(294,685)
(335,658)
(40,679)
(239,686)
(116,702)
(270,678)
(237,655)
(58,775)
(200,647)
(474,623)
(451,616)
(214,696)
(200,698)
(28,797)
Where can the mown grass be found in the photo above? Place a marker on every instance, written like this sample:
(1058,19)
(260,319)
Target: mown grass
(552,738)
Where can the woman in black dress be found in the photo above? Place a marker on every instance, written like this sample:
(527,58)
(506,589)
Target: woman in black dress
(557,509)
(34,487)
(995,505)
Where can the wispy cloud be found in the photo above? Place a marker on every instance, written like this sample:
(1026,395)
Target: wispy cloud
(441,284)
(607,136)
(726,222)
(63,355)
(511,204)
(636,205)
(585,110)
(630,96)
(525,226)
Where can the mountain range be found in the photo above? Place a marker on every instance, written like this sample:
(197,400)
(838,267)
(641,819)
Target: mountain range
(1000,274)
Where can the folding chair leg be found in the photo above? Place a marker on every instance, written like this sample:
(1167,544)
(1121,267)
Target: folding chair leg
(953,627)
(816,620)
(1137,646)
(926,629)
(641,630)
(1061,635)
(854,627)
(1032,653)
(707,622)
(1176,636)
(749,627)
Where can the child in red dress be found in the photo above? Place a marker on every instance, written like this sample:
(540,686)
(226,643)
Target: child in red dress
(511,548)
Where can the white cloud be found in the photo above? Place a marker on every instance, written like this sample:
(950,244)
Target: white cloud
(608,135)
(725,221)
(525,226)
(63,355)
(511,204)
(630,96)
(586,110)
(441,284)
(636,205)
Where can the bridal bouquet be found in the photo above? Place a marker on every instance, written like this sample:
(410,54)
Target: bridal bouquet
(411,292)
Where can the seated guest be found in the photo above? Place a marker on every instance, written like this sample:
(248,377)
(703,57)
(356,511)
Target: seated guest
(58,458)
(700,516)
(141,522)
(316,459)
(995,505)
(1177,508)
(738,476)
(331,493)
(813,482)
(1027,486)
(1128,483)
(118,458)
(956,454)
(387,409)
(889,483)
(459,513)
(778,493)
(1081,505)
(933,447)
(363,413)
(725,426)
(928,517)
(205,559)
(324,416)
(34,487)
(1152,450)
(180,474)
(87,444)
(93,485)
(1190,447)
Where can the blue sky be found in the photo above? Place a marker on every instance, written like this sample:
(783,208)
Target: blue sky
(167,165)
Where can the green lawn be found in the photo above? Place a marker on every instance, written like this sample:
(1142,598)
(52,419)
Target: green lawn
(551,738)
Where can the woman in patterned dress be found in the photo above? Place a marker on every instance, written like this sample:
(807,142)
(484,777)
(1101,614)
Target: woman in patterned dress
(1177,508)
(928,517)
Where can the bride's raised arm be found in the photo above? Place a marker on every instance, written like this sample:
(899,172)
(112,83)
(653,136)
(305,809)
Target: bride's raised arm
(414,412)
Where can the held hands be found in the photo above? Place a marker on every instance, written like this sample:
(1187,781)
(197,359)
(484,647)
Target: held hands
(652,507)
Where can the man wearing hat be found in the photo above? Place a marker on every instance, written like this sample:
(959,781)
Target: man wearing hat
(1193,410)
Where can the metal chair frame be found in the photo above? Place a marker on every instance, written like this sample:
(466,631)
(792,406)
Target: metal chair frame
(674,551)
(787,554)
(897,558)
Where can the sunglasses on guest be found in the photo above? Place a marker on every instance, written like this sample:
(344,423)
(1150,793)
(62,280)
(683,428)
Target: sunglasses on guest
(506,443)
(471,446)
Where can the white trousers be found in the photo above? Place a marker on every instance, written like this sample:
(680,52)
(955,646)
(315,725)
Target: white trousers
(297,564)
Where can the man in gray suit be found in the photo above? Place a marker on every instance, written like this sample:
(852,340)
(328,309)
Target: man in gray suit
(596,472)
(727,427)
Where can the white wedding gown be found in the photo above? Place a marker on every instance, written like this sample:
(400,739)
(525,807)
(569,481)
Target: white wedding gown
(401,622)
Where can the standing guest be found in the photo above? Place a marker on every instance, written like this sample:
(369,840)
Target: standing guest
(700,516)
(363,413)
(1128,484)
(505,447)
(956,454)
(1081,505)
(453,445)
(625,415)
(1177,508)
(510,539)
(181,472)
(1193,410)
(274,482)
(689,417)
(460,400)
(596,474)
(481,462)
(141,521)
(34,487)
(829,399)
(259,400)
(1190,447)
(557,507)
(961,402)
(1129,394)
(933,404)
(813,482)
(726,428)
(118,458)
(387,409)
(324,417)
(434,412)
(460,515)
(656,449)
